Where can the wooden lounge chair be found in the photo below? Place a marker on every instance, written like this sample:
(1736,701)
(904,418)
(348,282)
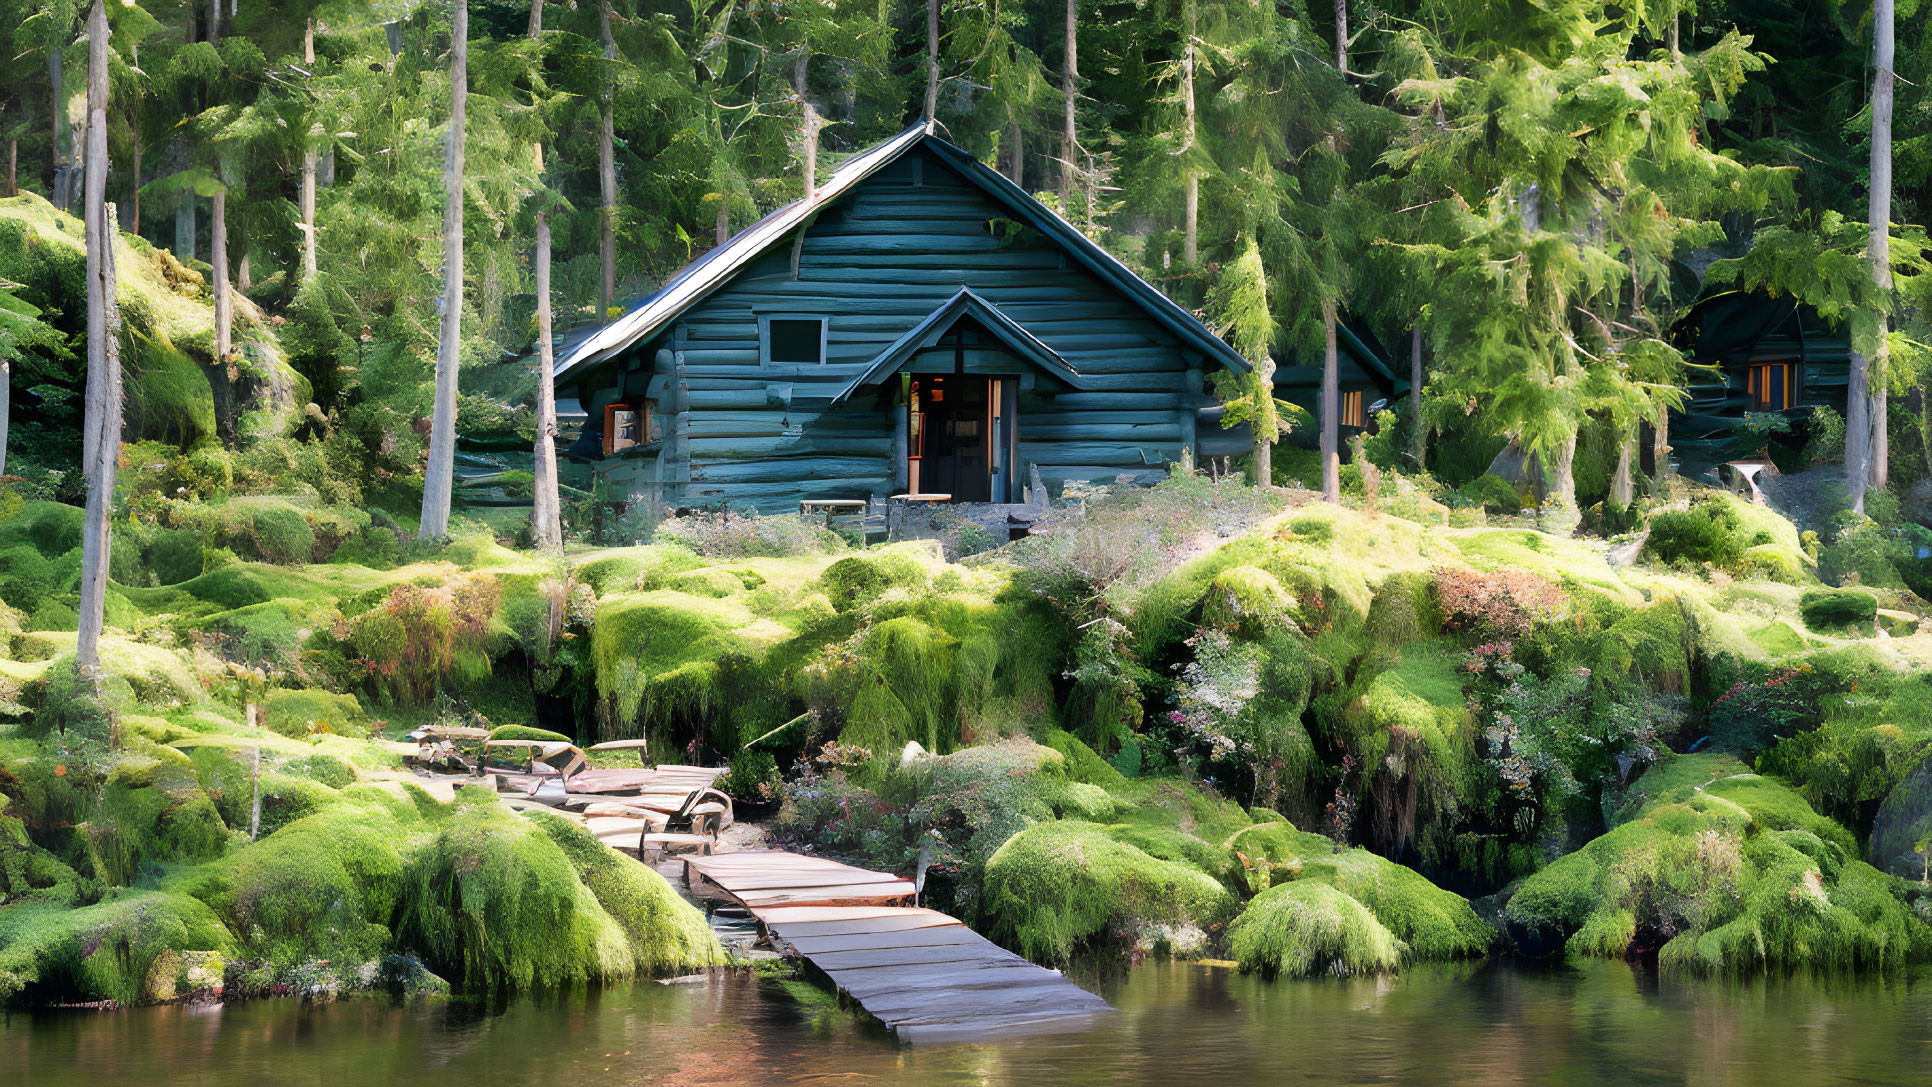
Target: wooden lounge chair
(688,827)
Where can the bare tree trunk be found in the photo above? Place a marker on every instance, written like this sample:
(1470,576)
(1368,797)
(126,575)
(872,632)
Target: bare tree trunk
(1341,36)
(244,280)
(1016,163)
(724,217)
(1565,472)
(1264,437)
(607,168)
(545,524)
(309,159)
(536,18)
(102,423)
(932,60)
(439,476)
(214,22)
(1660,446)
(808,123)
(1070,87)
(1622,487)
(1860,433)
(1879,212)
(1415,394)
(218,257)
(1331,437)
(1676,44)
(1191,244)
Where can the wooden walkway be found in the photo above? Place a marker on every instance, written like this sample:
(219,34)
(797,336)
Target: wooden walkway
(923,974)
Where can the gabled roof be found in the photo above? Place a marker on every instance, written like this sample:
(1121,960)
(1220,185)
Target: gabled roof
(940,321)
(715,268)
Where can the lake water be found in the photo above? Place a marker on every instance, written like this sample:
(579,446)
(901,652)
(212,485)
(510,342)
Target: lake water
(1485,1024)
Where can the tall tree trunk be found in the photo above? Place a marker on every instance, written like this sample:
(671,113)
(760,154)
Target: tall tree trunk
(1191,244)
(536,19)
(545,523)
(1341,36)
(214,22)
(1565,472)
(724,217)
(1660,446)
(1879,245)
(244,280)
(1070,88)
(309,160)
(101,440)
(1331,437)
(1676,44)
(808,123)
(218,258)
(1622,487)
(184,227)
(1016,160)
(1861,465)
(1421,440)
(932,60)
(607,167)
(439,477)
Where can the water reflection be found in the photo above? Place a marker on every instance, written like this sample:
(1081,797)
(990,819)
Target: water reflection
(1483,1025)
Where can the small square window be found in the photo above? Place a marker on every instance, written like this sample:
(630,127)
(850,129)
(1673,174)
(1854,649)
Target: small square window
(796,339)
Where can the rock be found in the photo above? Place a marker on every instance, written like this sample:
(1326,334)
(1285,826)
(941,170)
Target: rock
(184,975)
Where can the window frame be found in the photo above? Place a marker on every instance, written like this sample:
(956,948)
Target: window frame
(764,336)
(1757,382)
(1352,413)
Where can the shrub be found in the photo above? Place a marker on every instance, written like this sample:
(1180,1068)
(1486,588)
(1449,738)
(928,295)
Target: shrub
(302,713)
(753,777)
(1306,928)
(1708,532)
(1507,602)
(410,643)
(1057,886)
(735,535)
(1493,493)
(1836,609)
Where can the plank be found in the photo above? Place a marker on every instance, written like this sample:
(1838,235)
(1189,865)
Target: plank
(831,896)
(806,929)
(937,936)
(833,961)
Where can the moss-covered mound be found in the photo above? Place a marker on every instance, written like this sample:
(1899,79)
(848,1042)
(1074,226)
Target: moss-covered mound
(106,951)
(1306,928)
(1720,871)
(495,901)
(1059,886)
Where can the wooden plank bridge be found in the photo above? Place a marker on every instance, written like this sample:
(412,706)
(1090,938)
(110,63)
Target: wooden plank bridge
(921,973)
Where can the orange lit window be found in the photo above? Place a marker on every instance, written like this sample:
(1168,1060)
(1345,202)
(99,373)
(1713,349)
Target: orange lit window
(1352,409)
(1769,386)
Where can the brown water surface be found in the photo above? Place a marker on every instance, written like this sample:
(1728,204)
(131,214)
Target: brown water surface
(1480,1025)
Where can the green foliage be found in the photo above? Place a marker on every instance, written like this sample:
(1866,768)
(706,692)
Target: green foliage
(1305,929)
(1056,887)
(302,713)
(106,951)
(1493,493)
(1707,533)
(1837,609)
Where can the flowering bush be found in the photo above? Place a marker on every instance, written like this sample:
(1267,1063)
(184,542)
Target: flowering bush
(411,641)
(1507,602)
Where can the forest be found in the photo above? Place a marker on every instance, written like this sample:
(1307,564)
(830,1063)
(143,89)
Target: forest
(1584,626)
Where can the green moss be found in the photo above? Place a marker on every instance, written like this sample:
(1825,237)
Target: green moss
(666,933)
(1731,872)
(1246,599)
(527,732)
(51,528)
(493,902)
(1775,562)
(1307,928)
(1833,610)
(1058,886)
(326,886)
(303,712)
(106,951)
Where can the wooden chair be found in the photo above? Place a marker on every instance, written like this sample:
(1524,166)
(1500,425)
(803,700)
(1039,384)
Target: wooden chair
(694,825)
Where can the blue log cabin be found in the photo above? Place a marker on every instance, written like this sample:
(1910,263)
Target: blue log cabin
(1753,354)
(920,325)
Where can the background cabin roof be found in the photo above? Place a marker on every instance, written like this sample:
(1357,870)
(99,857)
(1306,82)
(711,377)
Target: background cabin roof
(717,267)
